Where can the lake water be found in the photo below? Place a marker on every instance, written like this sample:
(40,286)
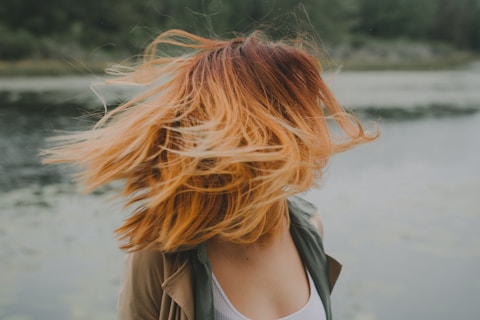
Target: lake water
(402,214)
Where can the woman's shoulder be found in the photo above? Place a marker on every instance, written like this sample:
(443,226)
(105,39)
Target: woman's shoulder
(144,267)
(146,255)
(149,261)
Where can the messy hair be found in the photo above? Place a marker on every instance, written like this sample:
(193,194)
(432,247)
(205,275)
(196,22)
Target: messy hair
(224,133)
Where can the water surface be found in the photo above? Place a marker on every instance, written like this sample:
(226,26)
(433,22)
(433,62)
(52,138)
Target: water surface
(401,214)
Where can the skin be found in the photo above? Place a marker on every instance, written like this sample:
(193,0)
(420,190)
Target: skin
(270,280)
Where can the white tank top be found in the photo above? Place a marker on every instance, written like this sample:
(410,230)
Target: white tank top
(224,309)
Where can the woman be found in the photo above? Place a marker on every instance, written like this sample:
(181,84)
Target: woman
(212,154)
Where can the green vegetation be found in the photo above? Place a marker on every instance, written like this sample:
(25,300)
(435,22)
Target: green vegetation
(94,32)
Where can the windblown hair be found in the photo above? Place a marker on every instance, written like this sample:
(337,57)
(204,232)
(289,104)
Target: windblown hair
(223,134)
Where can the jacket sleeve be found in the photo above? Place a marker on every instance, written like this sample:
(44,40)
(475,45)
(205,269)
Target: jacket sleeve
(141,286)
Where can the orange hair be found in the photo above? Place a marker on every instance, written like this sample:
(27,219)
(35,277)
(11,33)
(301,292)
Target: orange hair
(225,132)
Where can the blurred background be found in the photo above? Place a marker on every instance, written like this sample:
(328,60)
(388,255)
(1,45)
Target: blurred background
(402,213)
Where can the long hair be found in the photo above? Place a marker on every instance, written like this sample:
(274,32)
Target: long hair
(225,132)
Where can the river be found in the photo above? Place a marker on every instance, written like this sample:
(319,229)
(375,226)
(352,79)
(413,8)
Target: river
(402,214)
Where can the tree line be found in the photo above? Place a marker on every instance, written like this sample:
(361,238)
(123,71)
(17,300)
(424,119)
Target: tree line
(56,28)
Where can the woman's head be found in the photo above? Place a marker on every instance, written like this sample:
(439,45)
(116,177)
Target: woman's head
(224,132)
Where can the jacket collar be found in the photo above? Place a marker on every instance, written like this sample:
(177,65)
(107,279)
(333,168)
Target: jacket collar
(190,282)
(180,283)
(310,248)
(203,285)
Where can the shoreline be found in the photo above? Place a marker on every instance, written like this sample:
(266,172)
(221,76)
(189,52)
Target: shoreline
(455,61)
(53,67)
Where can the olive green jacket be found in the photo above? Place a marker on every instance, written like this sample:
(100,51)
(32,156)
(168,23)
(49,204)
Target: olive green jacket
(178,286)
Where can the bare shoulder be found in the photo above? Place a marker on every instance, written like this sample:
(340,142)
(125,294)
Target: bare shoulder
(316,221)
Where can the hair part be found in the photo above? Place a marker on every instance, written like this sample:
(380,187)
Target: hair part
(225,132)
